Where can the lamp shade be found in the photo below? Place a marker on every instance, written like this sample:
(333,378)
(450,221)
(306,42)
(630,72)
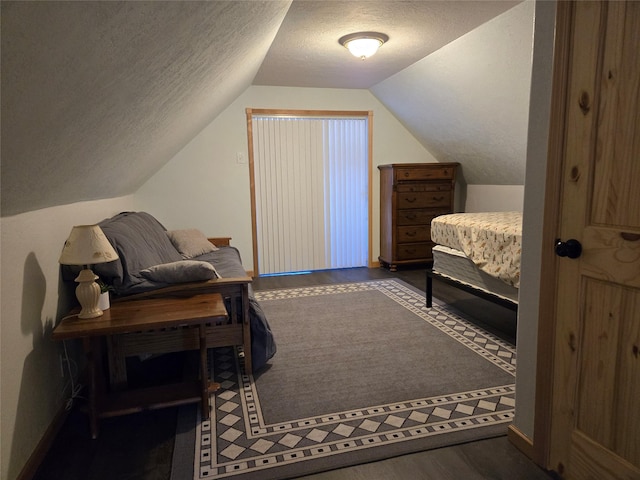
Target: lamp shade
(87,245)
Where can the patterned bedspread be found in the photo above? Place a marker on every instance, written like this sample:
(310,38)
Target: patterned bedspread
(493,240)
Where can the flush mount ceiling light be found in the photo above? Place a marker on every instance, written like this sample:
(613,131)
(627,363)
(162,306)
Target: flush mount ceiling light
(363,44)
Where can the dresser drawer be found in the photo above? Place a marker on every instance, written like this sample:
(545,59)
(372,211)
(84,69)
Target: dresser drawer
(423,199)
(414,251)
(430,173)
(423,187)
(418,216)
(420,233)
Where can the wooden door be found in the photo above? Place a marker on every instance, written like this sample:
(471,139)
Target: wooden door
(595,418)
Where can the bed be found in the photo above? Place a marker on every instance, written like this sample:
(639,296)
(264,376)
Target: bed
(478,253)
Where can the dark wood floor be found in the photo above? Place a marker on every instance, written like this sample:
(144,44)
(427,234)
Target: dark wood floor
(140,446)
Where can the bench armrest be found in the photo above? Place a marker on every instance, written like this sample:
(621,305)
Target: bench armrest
(220,241)
(191,288)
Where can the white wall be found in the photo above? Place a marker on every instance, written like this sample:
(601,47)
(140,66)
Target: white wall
(534,192)
(468,102)
(32,387)
(494,198)
(204,187)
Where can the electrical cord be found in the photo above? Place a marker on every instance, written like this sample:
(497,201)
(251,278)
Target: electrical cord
(76,388)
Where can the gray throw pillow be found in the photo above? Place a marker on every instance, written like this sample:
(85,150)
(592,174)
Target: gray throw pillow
(191,242)
(180,272)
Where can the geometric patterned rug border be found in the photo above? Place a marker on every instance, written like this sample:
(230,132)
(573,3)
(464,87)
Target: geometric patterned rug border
(237,443)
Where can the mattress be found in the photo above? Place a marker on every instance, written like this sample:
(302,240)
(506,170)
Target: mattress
(456,265)
(491,240)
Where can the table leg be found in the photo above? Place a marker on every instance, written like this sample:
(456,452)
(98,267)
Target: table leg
(204,372)
(246,331)
(117,363)
(91,352)
(207,387)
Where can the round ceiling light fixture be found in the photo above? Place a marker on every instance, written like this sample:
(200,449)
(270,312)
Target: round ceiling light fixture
(363,44)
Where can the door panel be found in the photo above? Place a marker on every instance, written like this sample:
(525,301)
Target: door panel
(617,181)
(607,393)
(588,462)
(596,386)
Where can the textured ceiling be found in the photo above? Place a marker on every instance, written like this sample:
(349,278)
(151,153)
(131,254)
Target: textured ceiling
(98,96)
(306,52)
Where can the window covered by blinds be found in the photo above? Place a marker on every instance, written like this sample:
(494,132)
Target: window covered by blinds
(311,192)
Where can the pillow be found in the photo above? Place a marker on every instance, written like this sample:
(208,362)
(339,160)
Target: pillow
(180,272)
(191,242)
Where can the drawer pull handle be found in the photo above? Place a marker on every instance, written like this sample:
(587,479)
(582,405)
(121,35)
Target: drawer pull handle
(412,234)
(406,174)
(438,199)
(411,216)
(630,237)
(411,200)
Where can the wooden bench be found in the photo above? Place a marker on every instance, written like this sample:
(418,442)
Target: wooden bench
(235,331)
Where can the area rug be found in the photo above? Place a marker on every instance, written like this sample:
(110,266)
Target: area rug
(364,371)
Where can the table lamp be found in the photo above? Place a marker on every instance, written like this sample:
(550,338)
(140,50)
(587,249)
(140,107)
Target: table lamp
(87,245)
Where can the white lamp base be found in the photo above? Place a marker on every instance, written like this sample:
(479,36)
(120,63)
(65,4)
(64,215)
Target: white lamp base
(88,294)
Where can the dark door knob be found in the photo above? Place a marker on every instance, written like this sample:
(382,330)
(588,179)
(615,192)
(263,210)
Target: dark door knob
(571,248)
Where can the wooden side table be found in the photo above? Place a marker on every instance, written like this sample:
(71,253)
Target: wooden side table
(144,315)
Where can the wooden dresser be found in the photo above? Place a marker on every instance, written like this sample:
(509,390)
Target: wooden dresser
(411,194)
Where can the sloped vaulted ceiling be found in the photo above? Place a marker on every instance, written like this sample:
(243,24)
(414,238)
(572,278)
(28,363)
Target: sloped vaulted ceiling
(473,102)
(97,96)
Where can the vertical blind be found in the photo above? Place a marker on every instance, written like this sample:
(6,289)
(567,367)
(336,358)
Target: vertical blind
(311,192)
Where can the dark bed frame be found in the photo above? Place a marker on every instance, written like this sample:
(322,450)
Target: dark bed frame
(431,274)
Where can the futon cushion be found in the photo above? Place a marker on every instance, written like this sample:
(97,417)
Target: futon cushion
(180,272)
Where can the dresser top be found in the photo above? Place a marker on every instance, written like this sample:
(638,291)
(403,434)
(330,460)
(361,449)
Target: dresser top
(419,165)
